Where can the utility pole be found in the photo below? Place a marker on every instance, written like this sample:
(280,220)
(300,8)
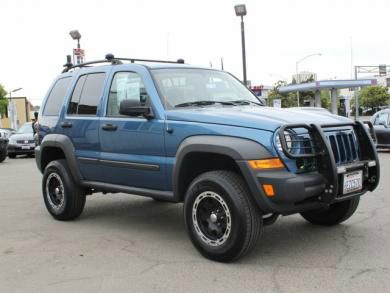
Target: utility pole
(356,99)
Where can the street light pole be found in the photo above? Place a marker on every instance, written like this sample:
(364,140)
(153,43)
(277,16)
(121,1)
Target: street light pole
(243,51)
(297,72)
(241,11)
(75,34)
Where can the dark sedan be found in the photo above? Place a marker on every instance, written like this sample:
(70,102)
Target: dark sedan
(381,124)
(3,148)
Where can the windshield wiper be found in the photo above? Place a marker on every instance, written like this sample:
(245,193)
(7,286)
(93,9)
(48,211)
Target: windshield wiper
(245,102)
(204,103)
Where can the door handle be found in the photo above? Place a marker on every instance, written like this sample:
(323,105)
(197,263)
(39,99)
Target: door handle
(109,127)
(66,124)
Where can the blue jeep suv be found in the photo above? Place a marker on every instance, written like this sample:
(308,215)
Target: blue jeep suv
(180,133)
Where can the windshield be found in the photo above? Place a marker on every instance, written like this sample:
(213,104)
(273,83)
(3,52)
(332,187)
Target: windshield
(26,128)
(201,87)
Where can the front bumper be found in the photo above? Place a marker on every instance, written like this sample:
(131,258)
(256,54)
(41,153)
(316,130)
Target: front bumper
(21,149)
(298,192)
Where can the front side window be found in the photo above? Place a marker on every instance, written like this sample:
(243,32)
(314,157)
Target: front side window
(188,87)
(56,97)
(381,119)
(125,86)
(86,95)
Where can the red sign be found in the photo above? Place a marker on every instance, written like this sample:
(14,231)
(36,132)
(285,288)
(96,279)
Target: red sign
(78,52)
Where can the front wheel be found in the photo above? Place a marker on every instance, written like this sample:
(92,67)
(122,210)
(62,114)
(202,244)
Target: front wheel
(334,214)
(221,218)
(64,199)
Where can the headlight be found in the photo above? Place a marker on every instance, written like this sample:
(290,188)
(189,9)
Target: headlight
(288,137)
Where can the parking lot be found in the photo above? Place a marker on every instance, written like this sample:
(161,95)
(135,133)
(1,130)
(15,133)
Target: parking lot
(124,243)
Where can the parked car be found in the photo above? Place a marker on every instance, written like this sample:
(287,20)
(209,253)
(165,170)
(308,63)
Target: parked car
(6,132)
(3,148)
(381,122)
(181,133)
(22,142)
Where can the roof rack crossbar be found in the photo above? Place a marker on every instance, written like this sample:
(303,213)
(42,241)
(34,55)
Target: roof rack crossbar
(113,60)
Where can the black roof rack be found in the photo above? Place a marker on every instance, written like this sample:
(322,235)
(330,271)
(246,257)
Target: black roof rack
(109,58)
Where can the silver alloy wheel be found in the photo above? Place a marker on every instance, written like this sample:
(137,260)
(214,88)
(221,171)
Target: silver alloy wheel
(55,191)
(211,218)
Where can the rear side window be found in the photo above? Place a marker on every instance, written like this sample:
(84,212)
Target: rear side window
(56,97)
(87,94)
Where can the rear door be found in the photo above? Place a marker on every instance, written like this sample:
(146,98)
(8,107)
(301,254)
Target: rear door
(132,148)
(81,122)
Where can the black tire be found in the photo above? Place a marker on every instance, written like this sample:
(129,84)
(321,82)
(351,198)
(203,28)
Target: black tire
(64,199)
(236,208)
(11,156)
(3,156)
(335,214)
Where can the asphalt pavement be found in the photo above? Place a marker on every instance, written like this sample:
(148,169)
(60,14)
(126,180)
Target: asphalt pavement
(124,243)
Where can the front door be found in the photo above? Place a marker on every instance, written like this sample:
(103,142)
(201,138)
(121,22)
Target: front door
(132,148)
(382,129)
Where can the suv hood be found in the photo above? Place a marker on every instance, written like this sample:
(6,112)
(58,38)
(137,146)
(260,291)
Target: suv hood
(266,118)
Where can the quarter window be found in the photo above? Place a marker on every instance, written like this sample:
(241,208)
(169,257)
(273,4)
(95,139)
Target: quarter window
(125,86)
(56,97)
(87,94)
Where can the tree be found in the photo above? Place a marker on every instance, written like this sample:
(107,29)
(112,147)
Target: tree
(288,100)
(3,101)
(374,96)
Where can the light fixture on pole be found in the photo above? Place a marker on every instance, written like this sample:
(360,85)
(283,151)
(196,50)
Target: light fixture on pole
(297,72)
(241,11)
(78,54)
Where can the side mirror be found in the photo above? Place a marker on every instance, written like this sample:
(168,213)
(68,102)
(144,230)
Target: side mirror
(135,108)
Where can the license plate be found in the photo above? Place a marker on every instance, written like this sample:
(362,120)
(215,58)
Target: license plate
(25,147)
(353,182)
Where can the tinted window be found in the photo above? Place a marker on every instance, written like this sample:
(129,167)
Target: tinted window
(74,102)
(56,97)
(125,86)
(87,94)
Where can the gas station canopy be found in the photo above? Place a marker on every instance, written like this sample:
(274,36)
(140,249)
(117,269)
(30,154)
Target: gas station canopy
(331,85)
(327,85)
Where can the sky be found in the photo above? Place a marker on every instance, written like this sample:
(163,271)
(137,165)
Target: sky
(35,36)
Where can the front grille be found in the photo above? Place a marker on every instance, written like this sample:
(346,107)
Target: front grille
(344,147)
(24,141)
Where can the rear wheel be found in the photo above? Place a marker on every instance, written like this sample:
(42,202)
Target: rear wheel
(222,221)
(64,199)
(334,214)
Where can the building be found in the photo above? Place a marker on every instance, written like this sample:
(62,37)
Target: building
(23,110)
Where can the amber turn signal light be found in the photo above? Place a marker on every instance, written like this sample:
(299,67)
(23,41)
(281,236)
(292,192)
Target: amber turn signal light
(269,190)
(274,163)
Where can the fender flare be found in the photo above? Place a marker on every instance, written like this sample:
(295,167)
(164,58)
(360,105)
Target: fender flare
(239,149)
(65,144)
